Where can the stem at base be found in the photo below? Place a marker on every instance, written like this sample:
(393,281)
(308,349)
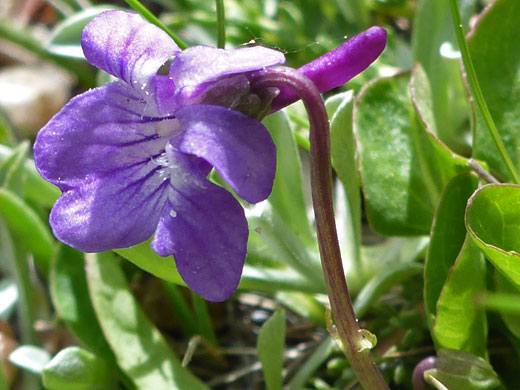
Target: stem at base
(321,181)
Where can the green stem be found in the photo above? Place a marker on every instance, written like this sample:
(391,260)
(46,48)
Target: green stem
(478,95)
(146,14)
(347,326)
(221,24)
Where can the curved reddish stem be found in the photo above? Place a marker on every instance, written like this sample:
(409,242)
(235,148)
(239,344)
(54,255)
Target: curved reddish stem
(321,181)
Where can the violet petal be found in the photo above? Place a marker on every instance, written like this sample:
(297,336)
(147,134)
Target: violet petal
(201,64)
(338,66)
(205,228)
(162,90)
(116,210)
(100,152)
(95,133)
(239,147)
(126,46)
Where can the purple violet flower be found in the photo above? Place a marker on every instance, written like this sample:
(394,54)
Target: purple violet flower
(131,157)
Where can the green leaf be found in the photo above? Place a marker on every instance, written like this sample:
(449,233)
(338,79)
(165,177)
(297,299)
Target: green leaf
(66,37)
(141,351)
(422,97)
(145,258)
(356,12)
(182,312)
(6,131)
(103,78)
(254,276)
(27,228)
(435,48)
(447,236)
(270,345)
(3,379)
(387,256)
(382,282)
(492,219)
(403,168)
(204,324)
(503,302)
(8,295)
(343,158)
(304,305)
(69,292)
(462,370)
(23,37)
(36,189)
(459,323)
(305,371)
(74,368)
(511,318)
(14,262)
(287,195)
(12,174)
(269,235)
(277,260)
(495,51)
(30,357)
(272,280)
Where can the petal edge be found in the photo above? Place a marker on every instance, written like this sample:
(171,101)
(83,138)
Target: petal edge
(205,229)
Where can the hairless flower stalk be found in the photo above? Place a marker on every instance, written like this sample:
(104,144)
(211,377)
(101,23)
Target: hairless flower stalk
(347,326)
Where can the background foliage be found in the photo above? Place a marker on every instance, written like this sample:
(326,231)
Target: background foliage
(429,223)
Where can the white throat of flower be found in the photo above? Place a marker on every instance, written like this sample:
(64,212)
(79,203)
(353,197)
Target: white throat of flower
(167,128)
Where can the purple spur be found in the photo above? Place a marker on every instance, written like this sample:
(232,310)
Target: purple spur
(131,157)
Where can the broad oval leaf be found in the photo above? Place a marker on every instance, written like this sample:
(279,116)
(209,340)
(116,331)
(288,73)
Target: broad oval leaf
(403,168)
(459,323)
(74,368)
(447,236)
(462,370)
(492,219)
